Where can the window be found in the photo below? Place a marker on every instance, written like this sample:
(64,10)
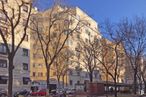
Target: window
(3,79)
(78,36)
(34,55)
(25,8)
(24,22)
(25,52)
(2,48)
(66,32)
(87,32)
(69,42)
(86,40)
(78,73)
(3,63)
(40,74)
(55,26)
(40,65)
(25,66)
(33,65)
(54,73)
(34,74)
(26,80)
(78,82)
(70,82)
(78,54)
(54,34)
(66,22)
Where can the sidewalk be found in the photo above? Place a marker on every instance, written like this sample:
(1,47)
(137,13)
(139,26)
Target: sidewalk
(120,95)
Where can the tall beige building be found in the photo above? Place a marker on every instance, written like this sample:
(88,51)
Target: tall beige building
(87,29)
(87,32)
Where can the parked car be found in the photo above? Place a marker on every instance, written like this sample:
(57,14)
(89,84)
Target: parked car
(58,93)
(53,92)
(61,93)
(3,93)
(41,92)
(25,93)
(70,91)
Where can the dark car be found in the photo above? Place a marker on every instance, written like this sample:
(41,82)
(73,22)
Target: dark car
(53,92)
(3,93)
(25,93)
(41,92)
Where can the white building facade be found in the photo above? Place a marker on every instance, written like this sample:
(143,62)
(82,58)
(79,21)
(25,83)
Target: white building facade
(21,71)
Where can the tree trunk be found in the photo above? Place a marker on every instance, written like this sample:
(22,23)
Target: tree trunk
(63,80)
(140,86)
(107,87)
(48,79)
(10,77)
(115,85)
(91,77)
(66,78)
(58,79)
(135,80)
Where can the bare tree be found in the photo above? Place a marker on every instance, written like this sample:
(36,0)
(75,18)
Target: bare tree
(134,34)
(9,32)
(53,29)
(106,62)
(88,51)
(62,64)
(114,63)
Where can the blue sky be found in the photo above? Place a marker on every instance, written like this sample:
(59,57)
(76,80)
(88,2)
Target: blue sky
(103,9)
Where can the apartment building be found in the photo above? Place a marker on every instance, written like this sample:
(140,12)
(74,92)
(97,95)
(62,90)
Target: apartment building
(88,32)
(88,29)
(109,58)
(21,75)
(38,72)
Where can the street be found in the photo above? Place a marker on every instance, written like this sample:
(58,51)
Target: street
(119,95)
